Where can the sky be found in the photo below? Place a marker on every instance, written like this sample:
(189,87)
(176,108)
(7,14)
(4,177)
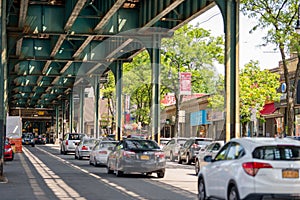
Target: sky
(250,48)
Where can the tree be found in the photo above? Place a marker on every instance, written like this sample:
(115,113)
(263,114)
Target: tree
(256,89)
(108,91)
(194,50)
(280,18)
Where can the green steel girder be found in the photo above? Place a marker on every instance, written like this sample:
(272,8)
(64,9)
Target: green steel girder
(68,41)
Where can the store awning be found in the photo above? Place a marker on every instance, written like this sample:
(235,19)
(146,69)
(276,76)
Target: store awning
(268,109)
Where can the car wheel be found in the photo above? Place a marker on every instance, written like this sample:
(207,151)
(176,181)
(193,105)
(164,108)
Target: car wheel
(108,170)
(179,159)
(201,190)
(233,193)
(118,172)
(188,160)
(161,174)
(172,156)
(95,163)
(197,166)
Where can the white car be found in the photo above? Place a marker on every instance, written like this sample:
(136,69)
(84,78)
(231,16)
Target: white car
(252,168)
(84,147)
(211,149)
(100,152)
(69,142)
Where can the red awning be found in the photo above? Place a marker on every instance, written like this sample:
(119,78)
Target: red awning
(268,109)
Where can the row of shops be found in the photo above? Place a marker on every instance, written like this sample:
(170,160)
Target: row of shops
(200,121)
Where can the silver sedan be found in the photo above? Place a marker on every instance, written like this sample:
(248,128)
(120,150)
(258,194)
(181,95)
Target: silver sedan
(100,152)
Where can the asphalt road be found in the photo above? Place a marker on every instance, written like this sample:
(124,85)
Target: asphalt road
(46,174)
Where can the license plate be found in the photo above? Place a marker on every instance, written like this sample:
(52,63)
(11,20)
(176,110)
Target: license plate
(290,173)
(27,142)
(143,157)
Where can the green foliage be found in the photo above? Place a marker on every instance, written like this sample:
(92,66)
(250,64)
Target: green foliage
(216,101)
(256,88)
(193,49)
(279,17)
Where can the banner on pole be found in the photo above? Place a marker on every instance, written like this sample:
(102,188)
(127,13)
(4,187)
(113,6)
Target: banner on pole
(185,83)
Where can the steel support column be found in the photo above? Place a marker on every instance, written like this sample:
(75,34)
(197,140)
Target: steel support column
(3,83)
(230,12)
(71,111)
(96,110)
(119,111)
(57,135)
(155,62)
(81,110)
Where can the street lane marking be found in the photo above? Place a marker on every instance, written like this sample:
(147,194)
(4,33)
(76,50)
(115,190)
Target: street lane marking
(60,189)
(111,184)
(37,191)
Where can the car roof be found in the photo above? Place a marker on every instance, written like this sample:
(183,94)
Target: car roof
(254,142)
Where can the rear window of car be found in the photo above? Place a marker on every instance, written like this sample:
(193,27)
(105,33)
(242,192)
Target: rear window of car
(142,144)
(282,152)
(75,136)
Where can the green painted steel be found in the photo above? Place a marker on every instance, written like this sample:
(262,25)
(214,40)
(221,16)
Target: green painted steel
(54,47)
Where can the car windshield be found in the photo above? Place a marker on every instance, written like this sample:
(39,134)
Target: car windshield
(107,144)
(202,142)
(89,141)
(181,142)
(282,152)
(142,144)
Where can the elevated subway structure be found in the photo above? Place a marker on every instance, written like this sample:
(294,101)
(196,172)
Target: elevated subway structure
(53,49)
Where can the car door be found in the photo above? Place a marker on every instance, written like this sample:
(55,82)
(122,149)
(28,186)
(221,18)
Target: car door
(213,172)
(227,168)
(183,150)
(168,146)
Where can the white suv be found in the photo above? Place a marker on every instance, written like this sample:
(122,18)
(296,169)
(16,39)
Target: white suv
(252,168)
(69,142)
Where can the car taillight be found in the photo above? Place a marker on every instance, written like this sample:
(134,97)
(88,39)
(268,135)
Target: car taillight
(251,168)
(84,148)
(128,154)
(67,142)
(159,154)
(102,152)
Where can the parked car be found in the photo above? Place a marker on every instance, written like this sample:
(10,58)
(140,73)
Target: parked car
(211,149)
(252,168)
(294,137)
(190,149)
(8,151)
(69,142)
(100,152)
(163,142)
(84,147)
(28,139)
(137,155)
(171,149)
(40,139)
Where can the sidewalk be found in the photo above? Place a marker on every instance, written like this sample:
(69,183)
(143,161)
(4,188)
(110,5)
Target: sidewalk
(22,182)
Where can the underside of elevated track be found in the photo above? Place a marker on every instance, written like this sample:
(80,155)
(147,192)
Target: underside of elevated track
(53,49)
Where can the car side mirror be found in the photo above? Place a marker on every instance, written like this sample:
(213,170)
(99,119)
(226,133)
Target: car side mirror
(208,158)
